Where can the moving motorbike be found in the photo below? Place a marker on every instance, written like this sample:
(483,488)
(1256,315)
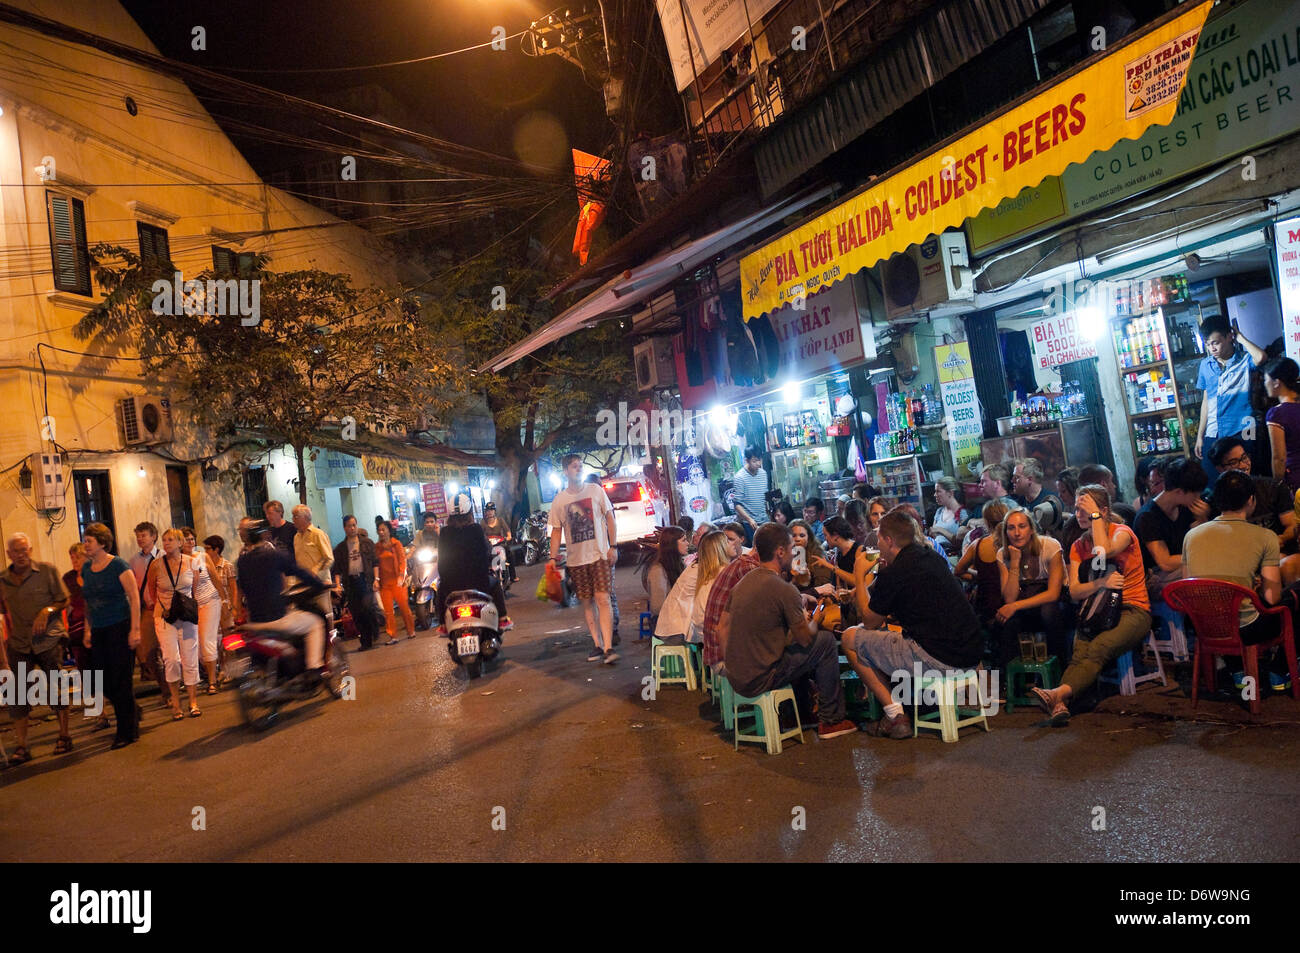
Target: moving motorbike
(269,667)
(500,564)
(473,630)
(422,584)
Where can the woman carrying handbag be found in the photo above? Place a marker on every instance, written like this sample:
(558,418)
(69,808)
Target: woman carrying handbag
(171,584)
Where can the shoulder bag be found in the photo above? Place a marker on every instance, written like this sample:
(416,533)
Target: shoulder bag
(183,608)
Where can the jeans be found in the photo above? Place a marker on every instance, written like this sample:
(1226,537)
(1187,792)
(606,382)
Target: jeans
(360,595)
(819,661)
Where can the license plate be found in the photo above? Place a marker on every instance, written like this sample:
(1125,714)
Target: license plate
(467,645)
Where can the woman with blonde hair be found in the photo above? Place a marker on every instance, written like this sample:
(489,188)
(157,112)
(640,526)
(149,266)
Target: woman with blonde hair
(715,552)
(675,615)
(174,573)
(980,563)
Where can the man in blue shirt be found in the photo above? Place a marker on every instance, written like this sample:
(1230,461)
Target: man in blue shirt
(814,514)
(1224,377)
(751,489)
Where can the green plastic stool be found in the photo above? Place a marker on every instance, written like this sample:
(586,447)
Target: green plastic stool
(766,727)
(671,659)
(949,719)
(1048,672)
(868,710)
(697,664)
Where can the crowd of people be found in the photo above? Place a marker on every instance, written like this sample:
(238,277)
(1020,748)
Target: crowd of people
(960,587)
(166,604)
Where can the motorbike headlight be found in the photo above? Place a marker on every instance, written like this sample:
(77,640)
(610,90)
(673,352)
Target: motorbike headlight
(425,555)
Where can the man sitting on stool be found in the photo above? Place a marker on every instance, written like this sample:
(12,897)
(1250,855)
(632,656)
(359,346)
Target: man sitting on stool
(940,630)
(770,639)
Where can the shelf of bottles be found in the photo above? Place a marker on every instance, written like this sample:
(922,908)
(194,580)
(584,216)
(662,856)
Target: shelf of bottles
(897,478)
(1154,398)
(906,413)
(1045,411)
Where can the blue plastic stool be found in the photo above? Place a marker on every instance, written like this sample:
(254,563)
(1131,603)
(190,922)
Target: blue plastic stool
(644,631)
(1126,678)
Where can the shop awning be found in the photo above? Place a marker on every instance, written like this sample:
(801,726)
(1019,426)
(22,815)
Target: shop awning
(634,286)
(393,461)
(1118,96)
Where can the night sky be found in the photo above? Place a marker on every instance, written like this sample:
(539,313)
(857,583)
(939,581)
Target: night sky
(478,98)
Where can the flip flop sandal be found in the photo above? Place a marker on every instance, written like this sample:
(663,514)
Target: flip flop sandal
(63,745)
(1060,718)
(1044,700)
(20,756)
(178,715)
(194,711)
(212,689)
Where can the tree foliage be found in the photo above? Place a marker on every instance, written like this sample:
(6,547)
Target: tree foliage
(320,351)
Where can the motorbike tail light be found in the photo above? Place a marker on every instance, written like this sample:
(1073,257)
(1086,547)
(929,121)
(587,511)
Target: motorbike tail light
(233,642)
(464,612)
(609,486)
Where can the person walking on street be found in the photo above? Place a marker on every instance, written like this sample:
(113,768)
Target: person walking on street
(282,532)
(582,514)
(148,651)
(112,627)
(208,597)
(33,597)
(356,579)
(170,574)
(313,552)
(391,557)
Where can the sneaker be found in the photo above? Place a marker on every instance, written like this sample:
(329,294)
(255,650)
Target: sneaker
(597,655)
(825,731)
(1279,683)
(506,624)
(1238,680)
(611,657)
(896,728)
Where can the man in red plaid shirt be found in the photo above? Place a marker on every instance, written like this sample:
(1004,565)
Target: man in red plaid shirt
(715,607)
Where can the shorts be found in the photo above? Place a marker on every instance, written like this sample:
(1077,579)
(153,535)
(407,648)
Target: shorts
(889,652)
(589,579)
(50,660)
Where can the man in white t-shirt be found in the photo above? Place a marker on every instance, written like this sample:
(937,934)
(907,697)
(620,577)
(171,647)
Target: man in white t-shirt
(582,512)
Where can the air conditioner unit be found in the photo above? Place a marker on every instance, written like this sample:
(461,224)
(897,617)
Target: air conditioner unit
(927,275)
(653,359)
(145,420)
(47,481)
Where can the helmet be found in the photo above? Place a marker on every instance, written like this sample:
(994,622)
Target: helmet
(462,505)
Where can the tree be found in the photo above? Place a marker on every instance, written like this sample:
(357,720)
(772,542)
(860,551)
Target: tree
(318,357)
(548,401)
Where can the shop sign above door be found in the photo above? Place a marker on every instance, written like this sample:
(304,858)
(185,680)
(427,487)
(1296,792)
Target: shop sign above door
(1118,97)
(1059,340)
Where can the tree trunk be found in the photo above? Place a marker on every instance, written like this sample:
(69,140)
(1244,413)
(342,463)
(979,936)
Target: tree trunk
(302,474)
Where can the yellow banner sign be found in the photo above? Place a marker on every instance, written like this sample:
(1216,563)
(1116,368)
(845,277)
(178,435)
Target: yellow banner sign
(395,470)
(1118,97)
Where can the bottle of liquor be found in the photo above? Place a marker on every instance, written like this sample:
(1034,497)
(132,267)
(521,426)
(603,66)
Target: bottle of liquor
(1141,439)
(1162,440)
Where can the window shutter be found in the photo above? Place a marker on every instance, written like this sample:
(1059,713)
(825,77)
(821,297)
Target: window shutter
(70,258)
(223,260)
(153,243)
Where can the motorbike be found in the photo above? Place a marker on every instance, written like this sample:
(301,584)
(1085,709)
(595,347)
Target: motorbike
(422,584)
(531,532)
(500,564)
(473,630)
(269,668)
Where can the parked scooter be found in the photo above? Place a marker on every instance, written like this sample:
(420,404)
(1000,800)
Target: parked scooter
(422,584)
(473,630)
(531,531)
(270,668)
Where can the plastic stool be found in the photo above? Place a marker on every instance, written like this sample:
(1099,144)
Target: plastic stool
(950,718)
(1175,626)
(697,663)
(849,681)
(724,697)
(1125,676)
(660,654)
(644,629)
(1049,676)
(766,723)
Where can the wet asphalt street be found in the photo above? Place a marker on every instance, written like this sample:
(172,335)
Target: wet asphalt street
(552,757)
